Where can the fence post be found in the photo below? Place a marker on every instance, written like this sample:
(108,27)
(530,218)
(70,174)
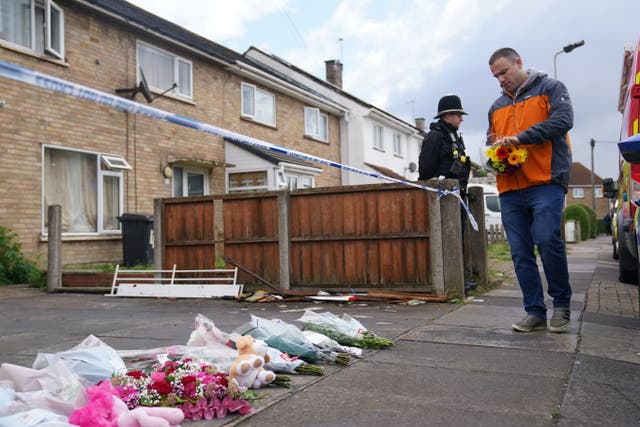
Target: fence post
(436,257)
(478,239)
(218,227)
(284,238)
(450,251)
(54,245)
(157,234)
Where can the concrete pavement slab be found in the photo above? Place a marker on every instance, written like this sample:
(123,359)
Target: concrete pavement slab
(477,358)
(383,394)
(611,342)
(538,340)
(602,392)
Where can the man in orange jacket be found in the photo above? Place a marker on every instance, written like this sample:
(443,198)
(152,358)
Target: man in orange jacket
(534,112)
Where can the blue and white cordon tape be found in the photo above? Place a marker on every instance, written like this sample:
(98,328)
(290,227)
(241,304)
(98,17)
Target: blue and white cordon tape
(34,78)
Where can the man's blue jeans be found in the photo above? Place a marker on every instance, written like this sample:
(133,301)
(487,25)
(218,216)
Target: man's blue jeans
(533,216)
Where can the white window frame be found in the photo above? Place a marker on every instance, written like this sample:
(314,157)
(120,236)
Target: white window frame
(397,144)
(578,192)
(101,173)
(49,28)
(176,92)
(100,213)
(315,129)
(378,137)
(48,35)
(598,192)
(287,177)
(252,115)
(115,162)
(186,169)
(241,189)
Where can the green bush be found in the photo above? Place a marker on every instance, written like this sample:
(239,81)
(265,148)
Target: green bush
(14,268)
(593,221)
(580,214)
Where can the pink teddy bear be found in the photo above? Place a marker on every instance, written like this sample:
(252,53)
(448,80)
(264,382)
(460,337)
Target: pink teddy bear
(106,410)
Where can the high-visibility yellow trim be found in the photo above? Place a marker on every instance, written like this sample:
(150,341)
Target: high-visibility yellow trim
(635,127)
(638,78)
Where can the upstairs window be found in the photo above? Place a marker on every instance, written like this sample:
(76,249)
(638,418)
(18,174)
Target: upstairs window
(35,24)
(378,142)
(162,69)
(316,124)
(578,193)
(397,144)
(258,105)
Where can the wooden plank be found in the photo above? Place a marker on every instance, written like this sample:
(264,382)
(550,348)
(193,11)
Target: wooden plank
(177,291)
(408,295)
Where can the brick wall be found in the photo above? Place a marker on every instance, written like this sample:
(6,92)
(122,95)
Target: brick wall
(101,54)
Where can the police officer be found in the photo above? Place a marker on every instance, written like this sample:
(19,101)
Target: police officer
(442,151)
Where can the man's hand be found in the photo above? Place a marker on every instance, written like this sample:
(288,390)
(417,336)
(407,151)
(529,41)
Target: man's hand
(507,140)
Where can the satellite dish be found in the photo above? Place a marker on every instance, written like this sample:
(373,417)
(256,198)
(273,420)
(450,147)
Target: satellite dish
(413,167)
(143,88)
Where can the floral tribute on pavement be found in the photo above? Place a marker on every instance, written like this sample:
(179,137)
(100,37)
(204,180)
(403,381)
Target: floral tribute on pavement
(195,387)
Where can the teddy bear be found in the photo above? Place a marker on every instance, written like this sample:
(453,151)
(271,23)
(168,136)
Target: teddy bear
(106,410)
(248,367)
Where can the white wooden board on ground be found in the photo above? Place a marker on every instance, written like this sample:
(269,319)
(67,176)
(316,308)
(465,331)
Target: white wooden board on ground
(177,291)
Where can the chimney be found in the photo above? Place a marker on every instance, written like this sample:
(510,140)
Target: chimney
(334,72)
(420,123)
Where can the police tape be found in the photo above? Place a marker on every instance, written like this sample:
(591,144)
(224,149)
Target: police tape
(35,78)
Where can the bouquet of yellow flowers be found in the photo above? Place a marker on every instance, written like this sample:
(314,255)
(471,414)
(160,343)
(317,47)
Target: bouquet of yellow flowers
(506,159)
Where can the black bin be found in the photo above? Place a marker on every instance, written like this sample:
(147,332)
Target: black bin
(137,239)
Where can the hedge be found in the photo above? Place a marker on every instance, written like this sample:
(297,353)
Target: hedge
(581,214)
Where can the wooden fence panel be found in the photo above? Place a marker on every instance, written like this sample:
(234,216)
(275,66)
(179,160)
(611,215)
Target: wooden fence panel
(251,235)
(371,236)
(188,233)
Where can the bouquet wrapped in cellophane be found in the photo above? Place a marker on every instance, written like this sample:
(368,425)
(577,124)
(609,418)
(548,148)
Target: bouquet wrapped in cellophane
(345,330)
(289,339)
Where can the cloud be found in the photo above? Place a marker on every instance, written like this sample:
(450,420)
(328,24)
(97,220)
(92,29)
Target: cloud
(217,20)
(391,54)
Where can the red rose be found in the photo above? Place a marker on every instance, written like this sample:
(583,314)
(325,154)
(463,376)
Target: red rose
(223,381)
(162,387)
(136,374)
(188,386)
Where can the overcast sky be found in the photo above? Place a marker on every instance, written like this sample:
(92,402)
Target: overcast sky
(403,55)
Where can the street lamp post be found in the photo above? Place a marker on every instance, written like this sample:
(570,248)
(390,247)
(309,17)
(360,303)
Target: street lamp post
(568,48)
(593,186)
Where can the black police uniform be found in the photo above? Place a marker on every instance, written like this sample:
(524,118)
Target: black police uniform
(443,154)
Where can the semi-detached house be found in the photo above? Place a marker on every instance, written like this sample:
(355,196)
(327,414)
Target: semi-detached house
(370,138)
(98,163)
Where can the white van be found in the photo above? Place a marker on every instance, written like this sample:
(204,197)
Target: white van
(492,214)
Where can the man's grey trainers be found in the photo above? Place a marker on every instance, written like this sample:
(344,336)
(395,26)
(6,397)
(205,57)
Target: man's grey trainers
(530,323)
(560,320)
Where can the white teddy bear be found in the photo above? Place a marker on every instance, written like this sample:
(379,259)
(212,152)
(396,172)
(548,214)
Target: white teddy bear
(248,368)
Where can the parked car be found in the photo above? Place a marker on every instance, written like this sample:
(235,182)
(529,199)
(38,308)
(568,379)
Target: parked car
(628,185)
(492,215)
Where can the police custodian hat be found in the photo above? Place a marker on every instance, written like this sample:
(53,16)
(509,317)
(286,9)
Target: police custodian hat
(449,104)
